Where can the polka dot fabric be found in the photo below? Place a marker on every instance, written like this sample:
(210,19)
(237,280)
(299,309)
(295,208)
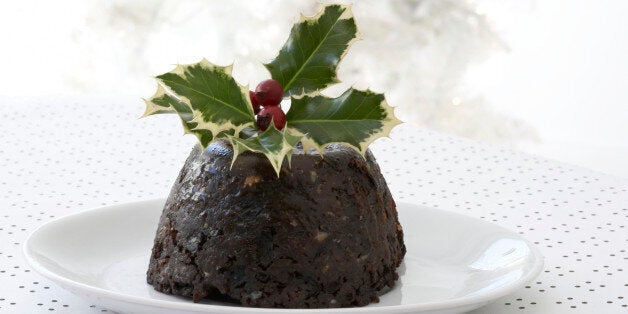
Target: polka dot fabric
(64,155)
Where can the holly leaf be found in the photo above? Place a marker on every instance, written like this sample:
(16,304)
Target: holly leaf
(207,98)
(162,102)
(308,60)
(274,144)
(355,118)
(160,106)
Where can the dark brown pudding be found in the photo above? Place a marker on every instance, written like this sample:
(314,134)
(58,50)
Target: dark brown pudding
(324,233)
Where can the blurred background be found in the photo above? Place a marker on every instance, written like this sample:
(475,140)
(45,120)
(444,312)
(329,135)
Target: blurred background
(547,77)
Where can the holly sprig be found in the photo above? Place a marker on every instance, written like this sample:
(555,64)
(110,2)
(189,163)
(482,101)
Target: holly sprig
(213,106)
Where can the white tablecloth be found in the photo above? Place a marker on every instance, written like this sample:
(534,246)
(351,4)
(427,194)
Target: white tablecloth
(61,155)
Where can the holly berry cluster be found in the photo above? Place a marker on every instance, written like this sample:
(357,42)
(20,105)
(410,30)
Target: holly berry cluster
(266,100)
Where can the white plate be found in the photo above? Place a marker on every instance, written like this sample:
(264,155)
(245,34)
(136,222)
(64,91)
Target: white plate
(454,263)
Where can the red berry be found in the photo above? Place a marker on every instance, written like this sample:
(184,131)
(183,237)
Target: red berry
(269,93)
(272,113)
(254,102)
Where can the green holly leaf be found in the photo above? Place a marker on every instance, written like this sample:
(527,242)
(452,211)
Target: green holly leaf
(160,106)
(206,97)
(308,60)
(162,102)
(355,118)
(274,144)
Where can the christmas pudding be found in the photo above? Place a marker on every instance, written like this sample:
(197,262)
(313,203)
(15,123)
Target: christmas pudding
(275,209)
(322,234)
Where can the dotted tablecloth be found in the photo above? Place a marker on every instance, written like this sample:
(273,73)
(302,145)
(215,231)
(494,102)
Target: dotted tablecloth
(61,155)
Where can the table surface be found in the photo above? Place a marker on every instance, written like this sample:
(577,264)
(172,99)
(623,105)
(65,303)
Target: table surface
(61,155)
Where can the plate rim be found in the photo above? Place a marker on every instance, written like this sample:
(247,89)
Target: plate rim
(28,253)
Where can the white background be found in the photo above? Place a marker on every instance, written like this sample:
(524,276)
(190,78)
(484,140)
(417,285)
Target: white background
(564,72)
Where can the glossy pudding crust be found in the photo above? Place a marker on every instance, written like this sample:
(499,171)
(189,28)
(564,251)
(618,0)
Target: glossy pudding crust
(323,234)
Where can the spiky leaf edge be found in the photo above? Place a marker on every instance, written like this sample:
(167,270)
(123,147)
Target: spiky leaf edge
(168,103)
(388,124)
(289,141)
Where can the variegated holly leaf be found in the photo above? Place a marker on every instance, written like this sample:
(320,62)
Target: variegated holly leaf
(206,97)
(161,106)
(355,118)
(162,102)
(308,60)
(274,144)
